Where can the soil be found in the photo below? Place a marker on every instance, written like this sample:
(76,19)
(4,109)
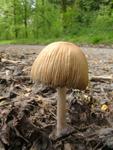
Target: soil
(28,110)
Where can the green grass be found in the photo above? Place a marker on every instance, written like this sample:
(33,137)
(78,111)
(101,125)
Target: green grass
(42,41)
(84,36)
(2,42)
(90,36)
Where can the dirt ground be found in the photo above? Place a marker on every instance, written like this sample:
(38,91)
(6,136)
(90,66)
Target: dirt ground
(28,110)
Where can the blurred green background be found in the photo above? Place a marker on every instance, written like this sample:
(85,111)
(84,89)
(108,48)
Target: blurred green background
(45,21)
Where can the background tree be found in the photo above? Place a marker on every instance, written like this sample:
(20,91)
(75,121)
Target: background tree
(44,20)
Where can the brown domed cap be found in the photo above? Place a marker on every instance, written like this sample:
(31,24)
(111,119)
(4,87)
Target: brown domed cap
(61,64)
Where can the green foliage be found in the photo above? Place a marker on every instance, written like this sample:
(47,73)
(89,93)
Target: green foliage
(44,21)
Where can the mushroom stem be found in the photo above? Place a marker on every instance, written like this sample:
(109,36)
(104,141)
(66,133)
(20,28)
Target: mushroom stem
(61,110)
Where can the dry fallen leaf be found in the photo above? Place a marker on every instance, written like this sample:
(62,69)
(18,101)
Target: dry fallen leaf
(104,107)
(2,98)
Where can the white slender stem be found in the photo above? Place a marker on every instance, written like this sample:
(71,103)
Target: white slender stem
(61,110)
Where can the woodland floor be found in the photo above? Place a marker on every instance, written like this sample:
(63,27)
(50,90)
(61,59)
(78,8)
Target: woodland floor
(28,111)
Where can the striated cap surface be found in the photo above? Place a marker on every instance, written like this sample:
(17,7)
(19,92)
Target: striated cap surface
(61,64)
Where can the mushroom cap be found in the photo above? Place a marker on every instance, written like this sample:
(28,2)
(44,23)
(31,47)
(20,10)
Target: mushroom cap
(61,64)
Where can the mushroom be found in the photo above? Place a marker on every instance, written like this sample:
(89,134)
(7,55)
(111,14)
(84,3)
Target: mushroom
(61,65)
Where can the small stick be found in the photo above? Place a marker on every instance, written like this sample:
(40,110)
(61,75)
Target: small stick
(101,78)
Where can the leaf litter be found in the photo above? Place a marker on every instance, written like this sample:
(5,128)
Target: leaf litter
(28,110)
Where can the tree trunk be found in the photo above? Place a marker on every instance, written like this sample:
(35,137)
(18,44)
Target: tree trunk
(63,5)
(15,22)
(25,19)
(63,10)
(36,29)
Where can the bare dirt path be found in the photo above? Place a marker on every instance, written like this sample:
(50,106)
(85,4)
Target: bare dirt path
(100,59)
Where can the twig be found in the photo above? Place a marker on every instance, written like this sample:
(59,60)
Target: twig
(9,61)
(101,78)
